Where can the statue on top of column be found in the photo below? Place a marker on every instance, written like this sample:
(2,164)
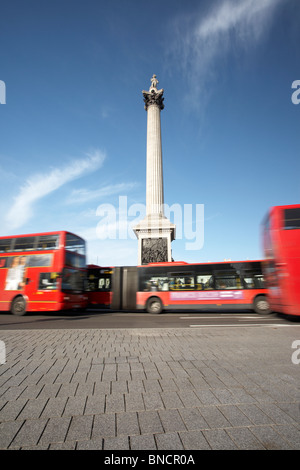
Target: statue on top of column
(154,82)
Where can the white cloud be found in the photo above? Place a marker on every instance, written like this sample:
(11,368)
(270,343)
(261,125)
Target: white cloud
(40,185)
(202,41)
(84,195)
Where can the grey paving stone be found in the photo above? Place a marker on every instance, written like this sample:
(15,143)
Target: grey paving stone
(168,441)
(168,384)
(189,398)
(102,388)
(123,376)
(214,417)
(75,406)
(271,439)
(55,430)
(48,391)
(277,414)
(13,393)
(12,409)
(144,442)
(193,419)
(116,443)
(80,428)
(138,375)
(224,396)
(115,403)
(67,390)
(127,423)
(37,447)
(29,433)
(8,430)
(63,446)
(206,397)
(54,407)
(245,439)
(104,425)
(194,440)
(134,401)
(119,387)
(95,404)
(96,444)
(218,439)
(171,420)
(291,434)
(33,408)
(85,389)
(151,385)
(153,401)
(255,414)
(171,400)
(150,422)
(234,415)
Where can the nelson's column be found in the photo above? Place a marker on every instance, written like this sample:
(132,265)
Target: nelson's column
(155,232)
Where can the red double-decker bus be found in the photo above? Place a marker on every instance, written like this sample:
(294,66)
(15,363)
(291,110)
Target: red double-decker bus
(42,272)
(158,287)
(281,244)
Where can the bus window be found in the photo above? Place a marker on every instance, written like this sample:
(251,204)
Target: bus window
(228,282)
(24,243)
(204,282)
(254,281)
(48,242)
(292,218)
(48,281)
(156,283)
(184,281)
(75,243)
(5,244)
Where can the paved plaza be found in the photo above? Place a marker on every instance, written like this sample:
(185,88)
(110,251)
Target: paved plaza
(151,389)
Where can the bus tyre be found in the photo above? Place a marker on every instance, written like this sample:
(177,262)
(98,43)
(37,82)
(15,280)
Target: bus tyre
(154,305)
(18,306)
(261,305)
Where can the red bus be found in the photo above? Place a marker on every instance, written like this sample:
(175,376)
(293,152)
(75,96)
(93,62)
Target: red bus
(158,287)
(42,272)
(281,243)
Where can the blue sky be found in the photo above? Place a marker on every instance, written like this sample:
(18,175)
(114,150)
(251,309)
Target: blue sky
(73,126)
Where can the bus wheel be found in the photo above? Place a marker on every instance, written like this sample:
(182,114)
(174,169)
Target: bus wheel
(261,305)
(154,305)
(18,306)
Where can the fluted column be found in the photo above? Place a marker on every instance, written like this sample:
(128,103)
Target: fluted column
(154,178)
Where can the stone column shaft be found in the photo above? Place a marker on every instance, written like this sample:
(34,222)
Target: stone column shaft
(154,179)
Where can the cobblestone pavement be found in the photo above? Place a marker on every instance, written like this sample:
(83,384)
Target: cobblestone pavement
(150,389)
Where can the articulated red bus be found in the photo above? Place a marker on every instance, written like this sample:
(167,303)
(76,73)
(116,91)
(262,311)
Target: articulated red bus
(281,242)
(158,287)
(99,282)
(42,272)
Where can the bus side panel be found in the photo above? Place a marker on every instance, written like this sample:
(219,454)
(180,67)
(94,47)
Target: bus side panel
(187,299)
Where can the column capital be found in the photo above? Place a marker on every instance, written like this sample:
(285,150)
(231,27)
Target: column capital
(153,96)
